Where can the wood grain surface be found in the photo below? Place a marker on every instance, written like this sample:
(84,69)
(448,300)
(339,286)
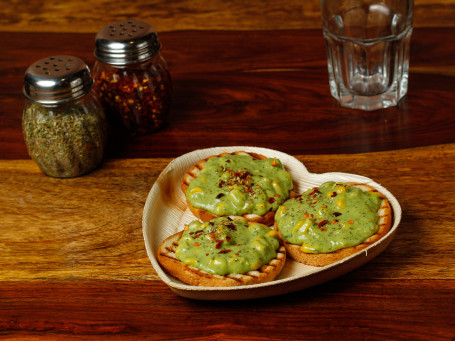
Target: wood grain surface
(90,16)
(74,264)
(256,89)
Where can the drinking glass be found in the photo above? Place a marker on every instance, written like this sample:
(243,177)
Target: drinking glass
(367,43)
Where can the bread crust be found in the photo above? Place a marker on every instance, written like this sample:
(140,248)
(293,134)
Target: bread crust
(322,259)
(194,276)
(267,219)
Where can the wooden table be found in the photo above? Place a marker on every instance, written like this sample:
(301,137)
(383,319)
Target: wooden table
(73,263)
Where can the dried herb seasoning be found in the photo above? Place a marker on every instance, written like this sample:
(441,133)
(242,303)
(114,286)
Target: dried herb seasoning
(65,140)
(63,122)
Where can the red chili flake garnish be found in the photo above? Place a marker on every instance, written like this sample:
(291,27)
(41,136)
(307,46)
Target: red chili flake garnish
(350,222)
(228,238)
(336,214)
(334,194)
(220,195)
(221,184)
(315,192)
(196,233)
(271,200)
(274,163)
(225,251)
(231,227)
(248,190)
(136,100)
(196,244)
(322,223)
(312,215)
(306,215)
(277,195)
(334,221)
(218,244)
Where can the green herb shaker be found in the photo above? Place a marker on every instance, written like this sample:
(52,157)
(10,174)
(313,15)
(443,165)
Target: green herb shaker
(132,79)
(63,122)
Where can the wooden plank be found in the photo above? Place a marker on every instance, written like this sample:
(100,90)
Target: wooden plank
(89,17)
(89,228)
(226,84)
(350,309)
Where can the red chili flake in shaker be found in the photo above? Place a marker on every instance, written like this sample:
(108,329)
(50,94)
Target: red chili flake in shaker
(136,99)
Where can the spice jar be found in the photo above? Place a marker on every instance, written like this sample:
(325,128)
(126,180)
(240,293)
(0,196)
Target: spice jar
(63,122)
(131,77)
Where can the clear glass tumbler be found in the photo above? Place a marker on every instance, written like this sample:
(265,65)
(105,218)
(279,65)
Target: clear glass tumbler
(367,44)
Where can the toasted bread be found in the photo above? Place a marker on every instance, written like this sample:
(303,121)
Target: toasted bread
(322,259)
(192,275)
(204,215)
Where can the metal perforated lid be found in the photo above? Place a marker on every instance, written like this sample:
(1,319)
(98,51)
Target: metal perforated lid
(57,79)
(126,42)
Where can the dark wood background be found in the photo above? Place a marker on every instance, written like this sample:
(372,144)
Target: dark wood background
(242,74)
(72,260)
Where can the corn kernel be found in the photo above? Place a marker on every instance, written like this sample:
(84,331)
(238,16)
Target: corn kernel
(195,190)
(276,185)
(340,203)
(272,233)
(307,249)
(298,226)
(280,211)
(258,245)
(340,189)
(302,226)
(189,261)
(219,209)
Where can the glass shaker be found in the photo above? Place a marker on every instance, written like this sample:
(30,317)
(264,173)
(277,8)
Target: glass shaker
(131,77)
(63,122)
